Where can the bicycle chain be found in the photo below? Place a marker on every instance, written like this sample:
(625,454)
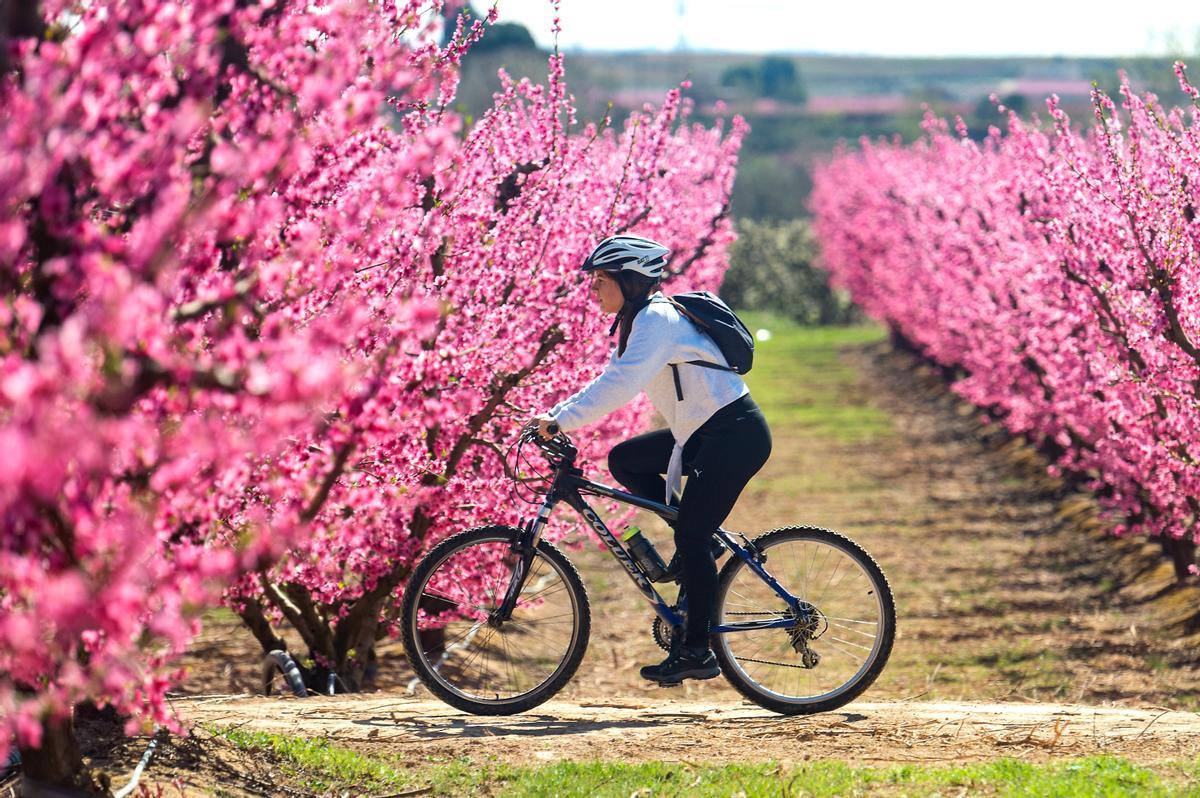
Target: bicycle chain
(769,662)
(761,612)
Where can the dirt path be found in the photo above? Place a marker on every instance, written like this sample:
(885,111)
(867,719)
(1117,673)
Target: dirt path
(1001,598)
(723,731)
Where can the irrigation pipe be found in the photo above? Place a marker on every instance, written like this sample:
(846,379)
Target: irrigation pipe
(125,791)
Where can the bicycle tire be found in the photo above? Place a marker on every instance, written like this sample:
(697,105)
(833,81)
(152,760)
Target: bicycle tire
(419,658)
(843,694)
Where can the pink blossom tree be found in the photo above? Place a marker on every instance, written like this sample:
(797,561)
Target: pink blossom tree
(1058,272)
(257,333)
(168,325)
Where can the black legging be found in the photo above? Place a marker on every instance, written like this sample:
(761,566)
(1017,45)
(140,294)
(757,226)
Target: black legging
(718,459)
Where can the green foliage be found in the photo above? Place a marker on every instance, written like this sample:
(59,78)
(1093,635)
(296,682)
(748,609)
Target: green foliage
(499,36)
(769,188)
(1082,778)
(780,79)
(740,76)
(987,114)
(771,269)
(318,763)
(774,76)
(504,36)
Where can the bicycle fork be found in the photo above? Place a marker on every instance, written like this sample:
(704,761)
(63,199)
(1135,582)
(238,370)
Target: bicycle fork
(525,546)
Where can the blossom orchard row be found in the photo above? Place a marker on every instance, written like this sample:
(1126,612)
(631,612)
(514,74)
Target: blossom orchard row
(506,219)
(1058,270)
(256,333)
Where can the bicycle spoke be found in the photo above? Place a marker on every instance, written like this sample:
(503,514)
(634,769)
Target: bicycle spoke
(852,630)
(846,620)
(470,630)
(851,620)
(848,643)
(540,594)
(487,663)
(854,658)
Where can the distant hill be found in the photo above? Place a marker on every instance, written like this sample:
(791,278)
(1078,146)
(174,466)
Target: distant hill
(830,98)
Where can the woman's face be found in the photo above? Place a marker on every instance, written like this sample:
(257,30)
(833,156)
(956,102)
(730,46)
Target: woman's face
(609,292)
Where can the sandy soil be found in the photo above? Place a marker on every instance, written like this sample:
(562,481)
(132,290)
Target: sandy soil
(662,728)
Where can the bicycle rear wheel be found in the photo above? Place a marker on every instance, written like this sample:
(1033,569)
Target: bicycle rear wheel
(489,668)
(815,665)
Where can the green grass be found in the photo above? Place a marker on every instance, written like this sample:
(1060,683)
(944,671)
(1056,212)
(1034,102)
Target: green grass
(319,765)
(1100,776)
(325,768)
(799,379)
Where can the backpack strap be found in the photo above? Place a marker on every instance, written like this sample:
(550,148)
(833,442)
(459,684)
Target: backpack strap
(696,320)
(687,313)
(675,366)
(710,365)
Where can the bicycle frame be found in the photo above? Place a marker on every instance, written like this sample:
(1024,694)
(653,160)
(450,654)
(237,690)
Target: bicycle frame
(569,485)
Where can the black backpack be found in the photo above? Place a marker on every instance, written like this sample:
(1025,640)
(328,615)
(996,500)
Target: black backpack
(715,319)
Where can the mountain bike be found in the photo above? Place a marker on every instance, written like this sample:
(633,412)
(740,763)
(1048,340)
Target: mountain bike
(495,620)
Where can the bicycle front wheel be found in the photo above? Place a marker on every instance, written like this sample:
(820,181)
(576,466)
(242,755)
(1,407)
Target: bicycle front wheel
(836,646)
(467,658)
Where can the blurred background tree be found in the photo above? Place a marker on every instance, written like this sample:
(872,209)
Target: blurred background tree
(771,269)
(775,77)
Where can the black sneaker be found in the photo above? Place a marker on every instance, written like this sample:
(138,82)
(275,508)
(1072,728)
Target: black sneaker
(683,663)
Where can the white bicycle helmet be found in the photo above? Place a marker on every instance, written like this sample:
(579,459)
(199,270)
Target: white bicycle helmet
(628,254)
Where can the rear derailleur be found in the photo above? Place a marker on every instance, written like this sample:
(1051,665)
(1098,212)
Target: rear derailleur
(804,632)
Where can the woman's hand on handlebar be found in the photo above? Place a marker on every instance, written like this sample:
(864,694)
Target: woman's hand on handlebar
(545,425)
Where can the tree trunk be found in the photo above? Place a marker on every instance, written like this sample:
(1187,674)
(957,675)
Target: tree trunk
(56,768)
(256,621)
(1182,553)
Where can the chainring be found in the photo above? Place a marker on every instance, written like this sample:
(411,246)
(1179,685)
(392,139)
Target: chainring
(664,635)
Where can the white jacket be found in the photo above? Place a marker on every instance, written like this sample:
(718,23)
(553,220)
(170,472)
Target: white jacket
(660,335)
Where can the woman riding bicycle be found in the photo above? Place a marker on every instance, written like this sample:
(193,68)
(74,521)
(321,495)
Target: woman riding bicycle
(716,433)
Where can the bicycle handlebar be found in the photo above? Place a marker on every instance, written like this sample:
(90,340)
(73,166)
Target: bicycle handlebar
(560,445)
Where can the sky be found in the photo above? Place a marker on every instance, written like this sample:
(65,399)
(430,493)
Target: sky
(868,27)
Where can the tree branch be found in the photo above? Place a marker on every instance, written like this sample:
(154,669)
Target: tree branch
(706,242)
(501,386)
(294,616)
(1160,280)
(251,613)
(308,610)
(331,478)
